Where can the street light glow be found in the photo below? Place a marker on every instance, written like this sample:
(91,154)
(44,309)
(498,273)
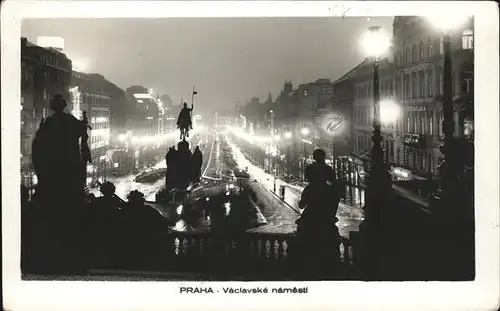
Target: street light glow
(389,111)
(304,131)
(288,135)
(448,21)
(375,42)
(277,137)
(122,137)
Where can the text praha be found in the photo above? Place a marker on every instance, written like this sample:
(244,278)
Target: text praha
(240,290)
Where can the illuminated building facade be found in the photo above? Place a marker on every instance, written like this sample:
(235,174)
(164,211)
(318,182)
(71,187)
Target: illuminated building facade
(88,94)
(362,83)
(143,111)
(418,80)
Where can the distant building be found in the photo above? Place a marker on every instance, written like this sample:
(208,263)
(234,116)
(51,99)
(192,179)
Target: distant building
(117,108)
(45,72)
(314,101)
(143,112)
(88,94)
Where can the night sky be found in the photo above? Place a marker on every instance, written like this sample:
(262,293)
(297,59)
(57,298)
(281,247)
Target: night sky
(229,60)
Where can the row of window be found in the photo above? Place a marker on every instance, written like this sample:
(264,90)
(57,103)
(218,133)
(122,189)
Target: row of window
(366,90)
(407,156)
(421,84)
(413,56)
(418,122)
(364,116)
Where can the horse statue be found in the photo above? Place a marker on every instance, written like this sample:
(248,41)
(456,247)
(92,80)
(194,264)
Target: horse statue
(184,122)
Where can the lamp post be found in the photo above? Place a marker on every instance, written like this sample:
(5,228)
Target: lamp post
(376,43)
(288,137)
(304,132)
(456,206)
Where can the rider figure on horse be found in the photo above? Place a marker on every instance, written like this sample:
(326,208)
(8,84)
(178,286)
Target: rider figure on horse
(184,122)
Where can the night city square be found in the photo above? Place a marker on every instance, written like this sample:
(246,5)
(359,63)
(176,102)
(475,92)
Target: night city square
(248,149)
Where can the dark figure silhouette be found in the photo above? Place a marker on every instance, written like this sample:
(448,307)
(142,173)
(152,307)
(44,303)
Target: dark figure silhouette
(56,154)
(197,161)
(184,122)
(183,164)
(104,215)
(170,159)
(318,235)
(141,233)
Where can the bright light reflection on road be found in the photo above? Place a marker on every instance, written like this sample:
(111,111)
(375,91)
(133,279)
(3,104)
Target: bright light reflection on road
(227,206)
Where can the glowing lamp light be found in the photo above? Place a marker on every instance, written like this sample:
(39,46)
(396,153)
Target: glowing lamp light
(288,135)
(116,165)
(231,186)
(304,131)
(389,111)
(122,137)
(179,209)
(375,42)
(447,21)
(277,138)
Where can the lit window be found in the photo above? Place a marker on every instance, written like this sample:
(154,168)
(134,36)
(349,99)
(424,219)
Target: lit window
(414,84)
(441,84)
(421,50)
(422,83)
(429,47)
(422,125)
(441,46)
(468,39)
(430,88)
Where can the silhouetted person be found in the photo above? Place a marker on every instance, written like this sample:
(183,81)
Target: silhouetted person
(142,228)
(104,213)
(184,164)
(56,154)
(197,160)
(318,234)
(171,174)
(184,121)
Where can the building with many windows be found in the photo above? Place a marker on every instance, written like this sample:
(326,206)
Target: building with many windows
(88,95)
(362,83)
(418,80)
(143,111)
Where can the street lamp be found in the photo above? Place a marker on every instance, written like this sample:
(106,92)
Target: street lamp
(304,132)
(375,43)
(288,136)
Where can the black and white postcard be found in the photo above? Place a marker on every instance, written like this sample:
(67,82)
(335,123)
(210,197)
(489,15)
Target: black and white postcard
(255,155)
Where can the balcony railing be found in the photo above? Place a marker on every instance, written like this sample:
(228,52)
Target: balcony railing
(246,254)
